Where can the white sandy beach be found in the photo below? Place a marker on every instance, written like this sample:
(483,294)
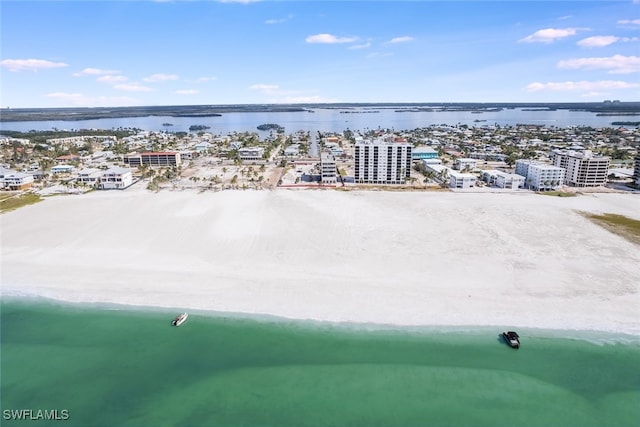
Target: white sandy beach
(509,260)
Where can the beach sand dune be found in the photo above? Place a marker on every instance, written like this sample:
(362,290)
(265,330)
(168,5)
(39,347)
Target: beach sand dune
(521,260)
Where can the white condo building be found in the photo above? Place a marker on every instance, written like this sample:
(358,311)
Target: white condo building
(380,162)
(540,176)
(583,169)
(636,171)
(116,179)
(328,169)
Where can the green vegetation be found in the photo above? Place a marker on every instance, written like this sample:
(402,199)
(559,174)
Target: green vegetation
(9,202)
(621,225)
(558,193)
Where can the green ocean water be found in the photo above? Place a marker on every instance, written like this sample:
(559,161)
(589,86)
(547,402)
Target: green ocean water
(114,367)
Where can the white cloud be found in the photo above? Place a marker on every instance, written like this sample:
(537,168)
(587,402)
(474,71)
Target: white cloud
(580,86)
(266,89)
(186,92)
(595,94)
(616,64)
(133,87)
(360,46)
(94,72)
(601,41)
(278,21)
(549,35)
(379,54)
(160,77)
(30,64)
(402,39)
(80,100)
(629,22)
(204,79)
(111,79)
(329,39)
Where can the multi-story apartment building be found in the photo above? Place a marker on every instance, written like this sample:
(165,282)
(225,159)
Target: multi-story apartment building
(162,158)
(380,162)
(328,169)
(583,169)
(250,153)
(636,171)
(540,176)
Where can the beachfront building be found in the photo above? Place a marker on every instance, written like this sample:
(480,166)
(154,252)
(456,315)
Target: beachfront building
(62,169)
(250,153)
(116,179)
(15,181)
(161,158)
(328,168)
(636,170)
(423,153)
(89,176)
(381,162)
(465,164)
(582,169)
(503,179)
(540,176)
(461,180)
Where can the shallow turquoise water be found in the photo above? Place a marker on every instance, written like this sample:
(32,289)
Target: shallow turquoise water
(131,368)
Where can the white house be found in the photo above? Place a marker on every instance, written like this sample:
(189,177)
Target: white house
(466,163)
(461,180)
(62,169)
(116,178)
(89,175)
(292,151)
(17,181)
(250,153)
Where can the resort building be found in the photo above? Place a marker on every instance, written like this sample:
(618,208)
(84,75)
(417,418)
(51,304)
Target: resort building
(328,169)
(636,170)
(423,153)
(466,164)
(251,153)
(583,169)
(89,176)
(379,162)
(17,181)
(116,179)
(540,176)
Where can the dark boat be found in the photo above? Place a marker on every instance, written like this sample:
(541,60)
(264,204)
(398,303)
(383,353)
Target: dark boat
(512,339)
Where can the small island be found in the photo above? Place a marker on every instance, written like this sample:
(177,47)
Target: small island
(271,126)
(194,128)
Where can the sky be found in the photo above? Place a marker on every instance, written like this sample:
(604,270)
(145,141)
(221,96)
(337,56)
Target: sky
(131,53)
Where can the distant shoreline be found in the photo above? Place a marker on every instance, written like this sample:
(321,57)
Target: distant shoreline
(75,114)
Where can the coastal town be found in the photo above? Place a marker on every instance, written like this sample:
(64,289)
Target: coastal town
(437,157)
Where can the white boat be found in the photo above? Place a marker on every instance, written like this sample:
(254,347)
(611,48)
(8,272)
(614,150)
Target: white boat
(180,319)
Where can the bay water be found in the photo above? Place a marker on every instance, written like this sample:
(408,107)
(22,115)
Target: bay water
(126,366)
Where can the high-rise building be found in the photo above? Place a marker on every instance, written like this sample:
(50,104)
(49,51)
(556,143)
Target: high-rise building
(583,169)
(636,170)
(328,169)
(381,162)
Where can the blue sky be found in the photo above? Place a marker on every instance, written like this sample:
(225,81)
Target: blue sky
(121,53)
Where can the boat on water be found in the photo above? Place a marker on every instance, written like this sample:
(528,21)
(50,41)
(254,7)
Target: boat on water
(512,339)
(180,319)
